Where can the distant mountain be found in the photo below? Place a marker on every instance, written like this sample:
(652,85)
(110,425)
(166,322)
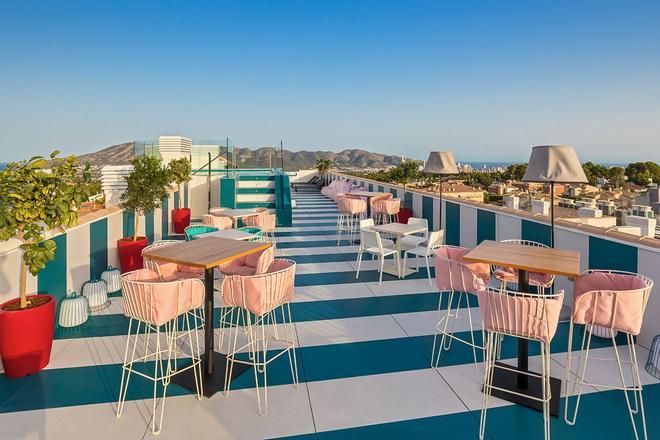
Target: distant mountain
(121,154)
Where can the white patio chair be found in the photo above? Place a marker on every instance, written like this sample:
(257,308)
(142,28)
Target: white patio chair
(368,224)
(435,240)
(412,241)
(371,243)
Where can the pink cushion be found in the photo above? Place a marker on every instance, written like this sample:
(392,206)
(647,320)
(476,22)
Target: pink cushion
(148,299)
(253,264)
(529,317)
(261,293)
(452,272)
(611,300)
(511,275)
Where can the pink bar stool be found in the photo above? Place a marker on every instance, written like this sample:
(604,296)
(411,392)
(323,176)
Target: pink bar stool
(265,222)
(260,297)
(222,223)
(164,309)
(613,301)
(456,276)
(351,211)
(522,315)
(386,210)
(507,275)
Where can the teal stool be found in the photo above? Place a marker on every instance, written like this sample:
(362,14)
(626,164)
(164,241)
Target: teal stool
(257,232)
(193,230)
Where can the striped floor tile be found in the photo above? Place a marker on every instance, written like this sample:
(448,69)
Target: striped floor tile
(364,355)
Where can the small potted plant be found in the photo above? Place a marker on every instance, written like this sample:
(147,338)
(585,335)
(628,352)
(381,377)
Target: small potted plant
(403,174)
(181,172)
(146,187)
(37,196)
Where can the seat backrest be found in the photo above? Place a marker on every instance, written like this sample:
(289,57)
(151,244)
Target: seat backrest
(523,315)
(217,221)
(436,239)
(193,230)
(150,300)
(370,239)
(420,222)
(162,268)
(366,223)
(525,242)
(261,293)
(453,273)
(612,299)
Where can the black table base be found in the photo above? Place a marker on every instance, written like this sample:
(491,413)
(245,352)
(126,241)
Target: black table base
(213,382)
(509,380)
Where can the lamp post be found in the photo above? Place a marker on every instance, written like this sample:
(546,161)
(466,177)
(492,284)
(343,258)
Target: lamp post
(554,164)
(441,162)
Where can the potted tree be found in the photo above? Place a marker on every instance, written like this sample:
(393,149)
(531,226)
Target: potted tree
(322,166)
(146,187)
(403,174)
(37,196)
(181,172)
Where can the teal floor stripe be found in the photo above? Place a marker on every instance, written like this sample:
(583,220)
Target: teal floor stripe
(514,422)
(117,324)
(99,384)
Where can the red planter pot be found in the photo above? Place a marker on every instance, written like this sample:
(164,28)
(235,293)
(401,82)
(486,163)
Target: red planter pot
(130,253)
(404,215)
(180,219)
(26,337)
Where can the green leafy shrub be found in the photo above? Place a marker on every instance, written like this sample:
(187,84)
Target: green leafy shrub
(38,196)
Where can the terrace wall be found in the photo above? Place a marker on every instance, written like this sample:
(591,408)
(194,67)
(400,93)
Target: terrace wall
(85,250)
(467,223)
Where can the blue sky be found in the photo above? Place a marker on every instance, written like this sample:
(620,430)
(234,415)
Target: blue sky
(485,79)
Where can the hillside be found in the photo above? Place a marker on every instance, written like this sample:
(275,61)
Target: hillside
(260,158)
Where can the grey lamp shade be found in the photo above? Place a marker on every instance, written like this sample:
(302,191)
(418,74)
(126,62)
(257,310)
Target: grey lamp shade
(441,162)
(554,163)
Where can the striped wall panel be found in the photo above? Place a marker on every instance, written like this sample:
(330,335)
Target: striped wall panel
(486,225)
(452,223)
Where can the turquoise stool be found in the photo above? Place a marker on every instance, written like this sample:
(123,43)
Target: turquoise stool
(193,230)
(257,232)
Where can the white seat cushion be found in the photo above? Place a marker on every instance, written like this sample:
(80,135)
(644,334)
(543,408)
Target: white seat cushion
(411,241)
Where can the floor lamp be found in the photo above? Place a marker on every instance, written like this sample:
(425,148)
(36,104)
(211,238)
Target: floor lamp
(441,162)
(554,164)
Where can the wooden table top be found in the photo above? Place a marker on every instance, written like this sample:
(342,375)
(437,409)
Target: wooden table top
(531,258)
(367,193)
(233,234)
(207,253)
(399,229)
(234,213)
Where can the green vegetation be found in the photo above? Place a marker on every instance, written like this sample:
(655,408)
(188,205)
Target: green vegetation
(180,171)
(36,197)
(642,173)
(147,186)
(322,166)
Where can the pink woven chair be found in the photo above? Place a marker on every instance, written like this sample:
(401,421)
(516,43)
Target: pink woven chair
(165,309)
(253,264)
(351,211)
(608,302)
(508,275)
(523,315)
(454,275)
(170,271)
(386,210)
(222,223)
(261,296)
(264,221)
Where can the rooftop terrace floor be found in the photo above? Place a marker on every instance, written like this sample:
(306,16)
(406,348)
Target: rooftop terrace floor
(364,366)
